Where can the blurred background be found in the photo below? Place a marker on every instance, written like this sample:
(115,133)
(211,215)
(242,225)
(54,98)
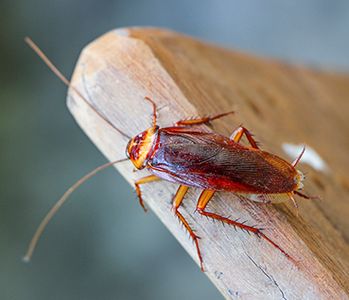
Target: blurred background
(101,245)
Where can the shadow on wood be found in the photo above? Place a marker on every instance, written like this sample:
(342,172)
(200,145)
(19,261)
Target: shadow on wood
(280,104)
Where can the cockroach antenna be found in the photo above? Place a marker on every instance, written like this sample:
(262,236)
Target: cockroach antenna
(55,70)
(59,203)
(66,195)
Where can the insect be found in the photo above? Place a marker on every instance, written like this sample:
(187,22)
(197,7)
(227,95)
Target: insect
(192,157)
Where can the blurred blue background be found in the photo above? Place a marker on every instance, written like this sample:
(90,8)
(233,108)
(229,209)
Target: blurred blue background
(101,245)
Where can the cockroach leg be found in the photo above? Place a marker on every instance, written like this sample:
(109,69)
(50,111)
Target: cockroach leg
(290,195)
(297,160)
(239,132)
(306,196)
(177,200)
(295,204)
(207,195)
(146,179)
(202,120)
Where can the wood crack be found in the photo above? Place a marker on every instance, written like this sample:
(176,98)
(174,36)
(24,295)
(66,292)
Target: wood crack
(270,277)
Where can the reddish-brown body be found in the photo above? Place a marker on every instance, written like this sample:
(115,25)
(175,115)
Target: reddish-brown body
(195,158)
(211,161)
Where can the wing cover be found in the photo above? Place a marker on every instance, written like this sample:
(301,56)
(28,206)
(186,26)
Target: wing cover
(212,161)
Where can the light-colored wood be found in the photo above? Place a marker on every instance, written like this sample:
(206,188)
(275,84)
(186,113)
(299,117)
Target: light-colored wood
(279,103)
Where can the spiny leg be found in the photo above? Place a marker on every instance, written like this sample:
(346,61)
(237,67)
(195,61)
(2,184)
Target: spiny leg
(290,195)
(177,200)
(306,196)
(239,132)
(207,195)
(146,179)
(202,120)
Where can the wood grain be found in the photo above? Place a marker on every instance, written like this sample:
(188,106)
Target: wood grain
(279,103)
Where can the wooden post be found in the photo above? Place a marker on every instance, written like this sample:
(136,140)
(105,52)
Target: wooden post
(280,104)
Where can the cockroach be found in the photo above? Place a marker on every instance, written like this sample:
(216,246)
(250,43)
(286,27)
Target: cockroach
(195,158)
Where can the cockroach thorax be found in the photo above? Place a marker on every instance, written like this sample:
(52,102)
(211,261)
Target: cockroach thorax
(140,147)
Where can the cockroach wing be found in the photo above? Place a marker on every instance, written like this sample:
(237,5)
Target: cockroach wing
(211,161)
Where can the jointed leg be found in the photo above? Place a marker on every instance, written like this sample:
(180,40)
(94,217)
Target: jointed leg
(290,195)
(147,179)
(207,195)
(177,200)
(202,120)
(239,132)
(306,196)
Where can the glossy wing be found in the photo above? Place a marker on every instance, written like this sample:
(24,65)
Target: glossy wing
(211,161)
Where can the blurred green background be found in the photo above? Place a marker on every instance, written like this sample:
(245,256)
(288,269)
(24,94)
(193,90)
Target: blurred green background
(101,245)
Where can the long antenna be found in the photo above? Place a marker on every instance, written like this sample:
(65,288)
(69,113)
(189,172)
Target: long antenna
(54,69)
(59,203)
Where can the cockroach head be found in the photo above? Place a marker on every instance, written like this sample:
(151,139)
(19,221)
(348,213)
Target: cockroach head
(140,148)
